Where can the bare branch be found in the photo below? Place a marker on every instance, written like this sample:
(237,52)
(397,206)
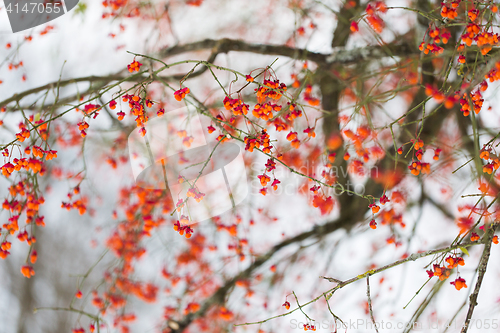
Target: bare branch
(339,56)
(483,263)
(370,301)
(331,279)
(226,45)
(92,78)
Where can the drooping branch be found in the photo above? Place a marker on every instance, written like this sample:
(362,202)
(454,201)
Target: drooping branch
(61,83)
(102,81)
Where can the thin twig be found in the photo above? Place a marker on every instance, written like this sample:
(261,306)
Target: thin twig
(483,263)
(370,301)
(300,307)
(330,279)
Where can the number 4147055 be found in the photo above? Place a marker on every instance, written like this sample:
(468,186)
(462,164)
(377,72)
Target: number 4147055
(34,7)
(483,323)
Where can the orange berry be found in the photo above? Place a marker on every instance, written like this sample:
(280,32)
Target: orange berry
(27,271)
(354,26)
(33,256)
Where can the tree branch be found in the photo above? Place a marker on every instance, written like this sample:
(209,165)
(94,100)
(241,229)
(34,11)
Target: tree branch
(103,80)
(339,55)
(370,301)
(483,263)
(92,78)
(226,45)
(412,257)
(219,296)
